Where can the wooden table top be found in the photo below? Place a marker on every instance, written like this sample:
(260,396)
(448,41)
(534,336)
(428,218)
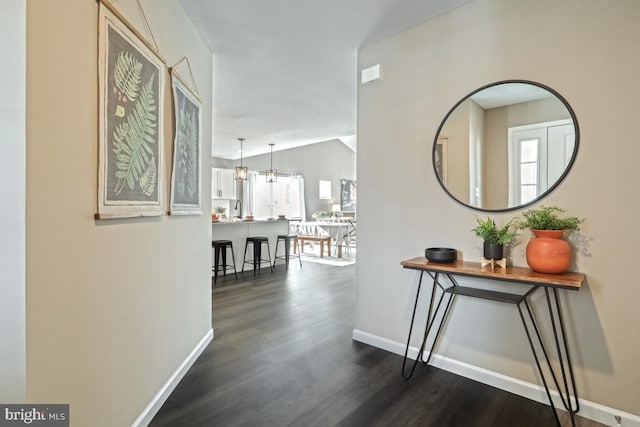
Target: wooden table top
(568,280)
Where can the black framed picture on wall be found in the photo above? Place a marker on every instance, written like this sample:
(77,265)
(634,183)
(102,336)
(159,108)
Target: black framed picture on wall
(348,195)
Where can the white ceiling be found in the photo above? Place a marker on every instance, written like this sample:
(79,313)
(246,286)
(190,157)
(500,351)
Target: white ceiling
(507,94)
(284,71)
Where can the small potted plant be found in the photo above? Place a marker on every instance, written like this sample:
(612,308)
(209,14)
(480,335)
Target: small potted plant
(494,238)
(547,252)
(321,215)
(220,211)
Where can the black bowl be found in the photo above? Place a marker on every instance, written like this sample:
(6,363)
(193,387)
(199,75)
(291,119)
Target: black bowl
(443,255)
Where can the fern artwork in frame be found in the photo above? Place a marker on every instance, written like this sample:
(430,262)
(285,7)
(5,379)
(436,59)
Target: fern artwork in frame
(185,176)
(131,80)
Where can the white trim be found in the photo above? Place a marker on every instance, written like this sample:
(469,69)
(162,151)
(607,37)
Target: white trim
(163,394)
(590,410)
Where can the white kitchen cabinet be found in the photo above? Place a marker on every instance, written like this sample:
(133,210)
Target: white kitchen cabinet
(223,183)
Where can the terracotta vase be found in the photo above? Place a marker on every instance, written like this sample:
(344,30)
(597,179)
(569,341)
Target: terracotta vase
(548,252)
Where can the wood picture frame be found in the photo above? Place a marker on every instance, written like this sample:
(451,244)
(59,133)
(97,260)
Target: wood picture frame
(441,158)
(131,79)
(186,179)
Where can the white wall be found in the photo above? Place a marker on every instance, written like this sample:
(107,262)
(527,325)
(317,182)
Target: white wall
(113,306)
(457,145)
(12,196)
(587,51)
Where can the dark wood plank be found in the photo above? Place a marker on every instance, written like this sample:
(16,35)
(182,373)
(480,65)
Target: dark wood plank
(283,356)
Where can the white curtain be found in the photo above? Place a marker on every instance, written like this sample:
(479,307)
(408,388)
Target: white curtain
(300,181)
(249,193)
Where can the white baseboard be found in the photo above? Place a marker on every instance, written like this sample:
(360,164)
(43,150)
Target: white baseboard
(163,394)
(590,410)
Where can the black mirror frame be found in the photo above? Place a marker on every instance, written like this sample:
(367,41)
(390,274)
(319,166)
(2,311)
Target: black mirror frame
(551,188)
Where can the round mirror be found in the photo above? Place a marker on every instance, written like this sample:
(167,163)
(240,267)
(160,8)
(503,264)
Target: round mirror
(505,145)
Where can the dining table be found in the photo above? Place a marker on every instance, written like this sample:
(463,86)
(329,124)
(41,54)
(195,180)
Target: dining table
(338,231)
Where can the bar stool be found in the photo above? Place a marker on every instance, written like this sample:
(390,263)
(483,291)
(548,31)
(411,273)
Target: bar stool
(257,253)
(220,250)
(287,238)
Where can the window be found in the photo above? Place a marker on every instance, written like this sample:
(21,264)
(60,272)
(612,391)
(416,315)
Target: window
(324,190)
(283,197)
(528,169)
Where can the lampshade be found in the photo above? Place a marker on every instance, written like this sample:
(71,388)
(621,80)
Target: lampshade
(271,173)
(335,208)
(241,171)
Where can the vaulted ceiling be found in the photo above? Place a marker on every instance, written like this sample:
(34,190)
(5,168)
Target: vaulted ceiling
(285,71)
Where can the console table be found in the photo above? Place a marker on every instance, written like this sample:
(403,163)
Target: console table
(522,278)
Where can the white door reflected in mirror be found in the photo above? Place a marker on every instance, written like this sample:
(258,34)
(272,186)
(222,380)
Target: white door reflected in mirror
(538,156)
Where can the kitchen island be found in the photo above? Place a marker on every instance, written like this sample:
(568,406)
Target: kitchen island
(238,230)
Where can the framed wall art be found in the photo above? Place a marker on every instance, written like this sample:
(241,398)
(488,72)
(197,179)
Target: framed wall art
(185,176)
(131,81)
(440,159)
(348,195)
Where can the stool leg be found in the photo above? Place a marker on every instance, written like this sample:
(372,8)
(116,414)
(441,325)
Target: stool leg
(215,263)
(224,260)
(321,249)
(269,253)
(233,257)
(295,244)
(244,258)
(287,244)
(256,256)
(275,254)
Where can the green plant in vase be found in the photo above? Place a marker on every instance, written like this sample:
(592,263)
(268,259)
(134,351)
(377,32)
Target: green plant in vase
(220,210)
(321,215)
(548,252)
(548,218)
(494,237)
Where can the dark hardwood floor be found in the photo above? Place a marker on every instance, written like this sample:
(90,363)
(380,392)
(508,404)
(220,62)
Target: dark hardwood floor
(283,356)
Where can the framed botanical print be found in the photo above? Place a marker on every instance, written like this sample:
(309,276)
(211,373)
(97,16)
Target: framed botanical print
(186,176)
(131,83)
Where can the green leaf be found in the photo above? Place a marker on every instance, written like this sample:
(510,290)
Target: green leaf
(490,233)
(127,75)
(149,178)
(549,218)
(132,142)
(187,148)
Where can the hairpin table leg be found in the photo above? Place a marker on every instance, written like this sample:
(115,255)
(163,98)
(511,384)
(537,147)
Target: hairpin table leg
(564,357)
(431,316)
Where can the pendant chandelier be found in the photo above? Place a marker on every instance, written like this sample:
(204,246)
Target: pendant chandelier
(271,173)
(241,171)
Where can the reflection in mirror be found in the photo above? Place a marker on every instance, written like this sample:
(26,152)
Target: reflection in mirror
(505,145)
